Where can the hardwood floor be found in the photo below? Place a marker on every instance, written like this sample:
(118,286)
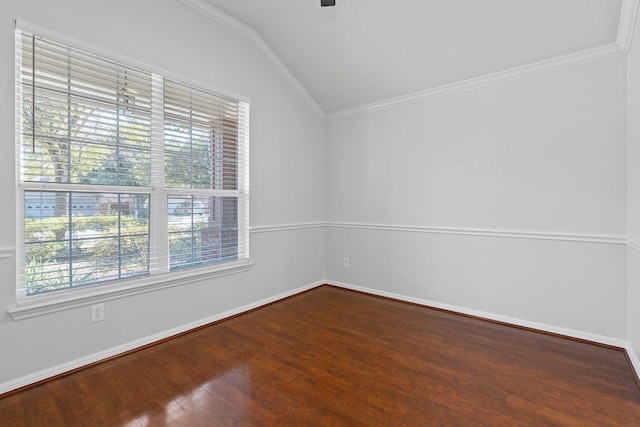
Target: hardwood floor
(332,357)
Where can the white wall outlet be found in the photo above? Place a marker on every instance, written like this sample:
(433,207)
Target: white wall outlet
(345,262)
(97,312)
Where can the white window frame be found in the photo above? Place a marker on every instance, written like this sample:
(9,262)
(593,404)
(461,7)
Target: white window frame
(159,277)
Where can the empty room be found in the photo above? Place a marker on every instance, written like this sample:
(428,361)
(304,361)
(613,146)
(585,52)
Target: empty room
(316,212)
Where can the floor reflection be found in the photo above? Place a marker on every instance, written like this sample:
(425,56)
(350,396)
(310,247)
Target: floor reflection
(209,404)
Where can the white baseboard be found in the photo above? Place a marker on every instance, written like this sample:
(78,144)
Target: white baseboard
(633,357)
(106,354)
(114,351)
(600,339)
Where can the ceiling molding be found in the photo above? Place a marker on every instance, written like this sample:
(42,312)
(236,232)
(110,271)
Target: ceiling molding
(555,64)
(627,23)
(222,18)
(619,48)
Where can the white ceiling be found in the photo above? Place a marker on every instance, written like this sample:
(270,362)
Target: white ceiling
(365,51)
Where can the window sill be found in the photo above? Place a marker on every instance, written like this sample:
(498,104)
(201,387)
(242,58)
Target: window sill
(45,304)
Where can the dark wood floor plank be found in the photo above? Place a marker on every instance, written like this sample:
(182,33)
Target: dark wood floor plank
(12,412)
(40,408)
(332,357)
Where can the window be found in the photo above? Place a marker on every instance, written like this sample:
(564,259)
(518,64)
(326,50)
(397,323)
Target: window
(122,172)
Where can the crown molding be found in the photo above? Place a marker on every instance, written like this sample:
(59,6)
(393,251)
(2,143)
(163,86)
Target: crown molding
(619,48)
(530,70)
(628,15)
(222,18)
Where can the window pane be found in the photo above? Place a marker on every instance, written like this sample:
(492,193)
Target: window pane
(85,119)
(77,239)
(201,138)
(188,156)
(202,230)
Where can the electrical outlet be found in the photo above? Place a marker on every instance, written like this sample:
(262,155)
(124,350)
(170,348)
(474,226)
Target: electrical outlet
(345,262)
(97,312)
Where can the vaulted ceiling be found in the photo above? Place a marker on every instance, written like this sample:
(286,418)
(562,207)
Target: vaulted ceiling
(366,51)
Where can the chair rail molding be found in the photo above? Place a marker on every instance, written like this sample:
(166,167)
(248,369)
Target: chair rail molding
(511,234)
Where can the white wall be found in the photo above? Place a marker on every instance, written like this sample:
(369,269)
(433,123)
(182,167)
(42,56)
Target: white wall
(633,128)
(287,178)
(508,170)
(530,160)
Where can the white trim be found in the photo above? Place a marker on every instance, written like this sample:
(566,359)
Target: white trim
(601,339)
(285,227)
(633,357)
(626,24)
(633,245)
(616,240)
(114,351)
(7,253)
(619,48)
(530,70)
(222,18)
(586,238)
(44,304)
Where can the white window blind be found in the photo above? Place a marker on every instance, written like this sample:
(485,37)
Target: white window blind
(121,172)
(204,174)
